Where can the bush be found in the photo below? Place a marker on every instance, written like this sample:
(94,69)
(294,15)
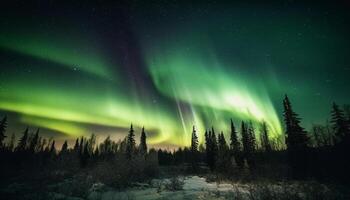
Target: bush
(175,184)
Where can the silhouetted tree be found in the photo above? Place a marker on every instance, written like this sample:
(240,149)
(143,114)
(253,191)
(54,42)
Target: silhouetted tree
(34,141)
(248,140)
(64,148)
(22,143)
(245,139)
(194,141)
(3,126)
(76,147)
(296,136)
(265,141)
(130,143)
(211,148)
(235,146)
(194,149)
(53,148)
(223,160)
(143,143)
(340,125)
(296,140)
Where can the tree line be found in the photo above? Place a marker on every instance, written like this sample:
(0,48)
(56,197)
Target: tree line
(320,153)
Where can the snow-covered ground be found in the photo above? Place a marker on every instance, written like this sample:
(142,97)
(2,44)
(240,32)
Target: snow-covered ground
(176,188)
(193,187)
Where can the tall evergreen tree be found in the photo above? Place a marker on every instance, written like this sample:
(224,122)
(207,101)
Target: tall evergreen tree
(194,149)
(207,147)
(222,145)
(223,159)
(53,148)
(143,143)
(194,141)
(340,124)
(245,139)
(235,146)
(76,147)
(22,143)
(265,142)
(3,126)
(34,141)
(296,141)
(212,146)
(296,137)
(64,148)
(252,139)
(130,143)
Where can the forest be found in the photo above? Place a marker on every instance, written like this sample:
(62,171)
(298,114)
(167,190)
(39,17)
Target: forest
(32,166)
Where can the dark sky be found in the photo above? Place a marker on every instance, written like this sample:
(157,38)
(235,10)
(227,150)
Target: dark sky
(73,69)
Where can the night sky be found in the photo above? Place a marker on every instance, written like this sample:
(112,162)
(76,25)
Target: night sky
(76,69)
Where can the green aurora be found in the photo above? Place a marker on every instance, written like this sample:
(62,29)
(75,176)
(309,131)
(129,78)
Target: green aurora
(172,73)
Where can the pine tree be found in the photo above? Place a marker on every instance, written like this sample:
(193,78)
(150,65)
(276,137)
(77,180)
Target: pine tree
(64,148)
(194,141)
(143,143)
(265,142)
(22,143)
(207,147)
(252,139)
(3,126)
(194,149)
(130,143)
(34,142)
(76,147)
(214,142)
(296,141)
(53,148)
(296,137)
(340,124)
(223,160)
(235,146)
(212,149)
(245,139)
(222,145)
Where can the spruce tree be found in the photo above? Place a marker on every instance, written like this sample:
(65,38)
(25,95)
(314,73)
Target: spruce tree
(222,145)
(340,124)
(207,147)
(223,160)
(143,143)
(64,148)
(76,147)
(3,126)
(34,141)
(194,141)
(296,137)
(213,149)
(194,149)
(53,148)
(130,143)
(235,146)
(22,143)
(245,139)
(265,142)
(296,141)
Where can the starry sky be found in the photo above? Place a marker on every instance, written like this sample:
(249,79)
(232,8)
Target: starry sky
(73,69)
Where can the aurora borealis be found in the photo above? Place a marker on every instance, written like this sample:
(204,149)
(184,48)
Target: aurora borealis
(74,69)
